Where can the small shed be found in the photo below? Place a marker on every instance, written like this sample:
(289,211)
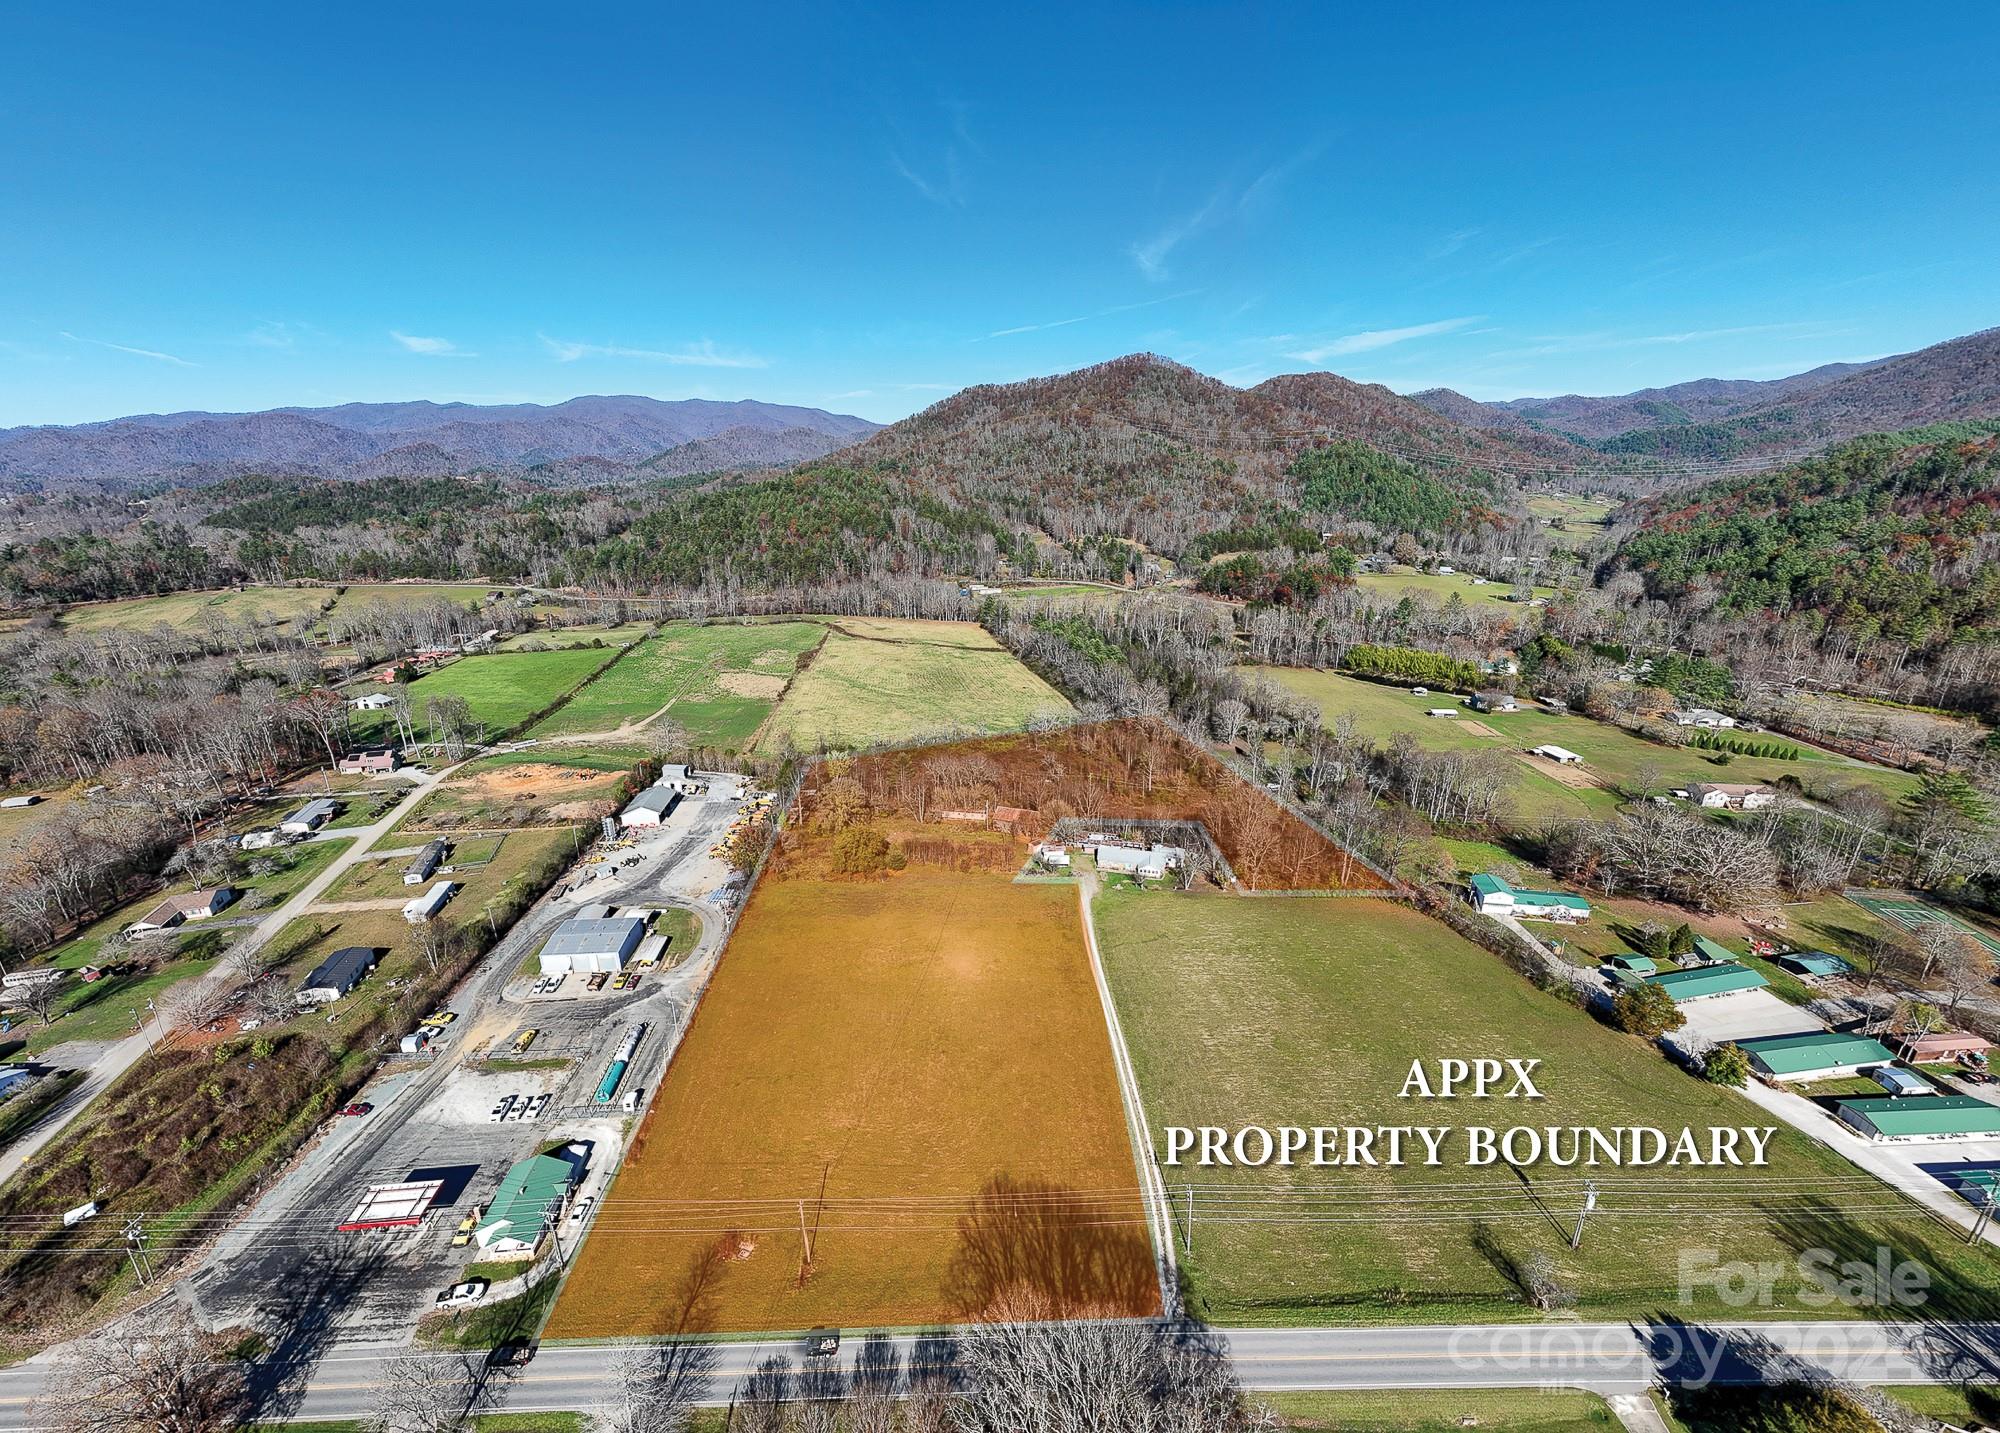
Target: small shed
(1632,964)
(1815,962)
(1712,950)
(1560,755)
(1901,1084)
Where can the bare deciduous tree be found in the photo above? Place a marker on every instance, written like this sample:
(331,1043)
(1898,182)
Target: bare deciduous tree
(430,1394)
(156,1373)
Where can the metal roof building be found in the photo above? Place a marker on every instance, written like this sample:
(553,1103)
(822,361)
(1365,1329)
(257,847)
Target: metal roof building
(1815,962)
(585,944)
(520,1209)
(650,807)
(1921,1117)
(336,975)
(1723,978)
(1812,1054)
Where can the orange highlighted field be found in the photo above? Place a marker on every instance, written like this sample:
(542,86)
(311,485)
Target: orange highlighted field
(914,1068)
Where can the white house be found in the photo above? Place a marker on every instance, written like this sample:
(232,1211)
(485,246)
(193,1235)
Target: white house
(258,840)
(1731,795)
(190,905)
(1495,701)
(1148,863)
(1050,854)
(310,817)
(1707,717)
(373,702)
(1560,755)
(1492,896)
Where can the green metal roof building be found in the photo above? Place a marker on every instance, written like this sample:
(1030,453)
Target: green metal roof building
(520,1208)
(1921,1117)
(1813,1053)
(1815,962)
(1712,949)
(1702,981)
(1493,896)
(1633,964)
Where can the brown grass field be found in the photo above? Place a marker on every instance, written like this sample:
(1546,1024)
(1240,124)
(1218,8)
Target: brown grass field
(913,1064)
(1134,769)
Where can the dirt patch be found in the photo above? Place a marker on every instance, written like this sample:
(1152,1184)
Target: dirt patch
(752,684)
(1477,728)
(532,782)
(582,810)
(1577,778)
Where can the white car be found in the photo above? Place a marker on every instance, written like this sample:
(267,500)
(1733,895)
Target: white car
(582,1210)
(458,1296)
(501,1110)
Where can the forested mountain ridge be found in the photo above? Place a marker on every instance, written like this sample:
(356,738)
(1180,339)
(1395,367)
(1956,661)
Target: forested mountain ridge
(598,437)
(1891,535)
(1780,419)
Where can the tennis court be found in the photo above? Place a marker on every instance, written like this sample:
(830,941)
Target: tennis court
(1913,912)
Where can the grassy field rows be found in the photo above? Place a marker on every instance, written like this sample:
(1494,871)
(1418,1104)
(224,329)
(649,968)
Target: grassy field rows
(882,680)
(504,689)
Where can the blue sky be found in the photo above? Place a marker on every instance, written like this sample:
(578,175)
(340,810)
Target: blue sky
(865,207)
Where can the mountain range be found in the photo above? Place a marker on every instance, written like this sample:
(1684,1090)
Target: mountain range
(589,439)
(1782,418)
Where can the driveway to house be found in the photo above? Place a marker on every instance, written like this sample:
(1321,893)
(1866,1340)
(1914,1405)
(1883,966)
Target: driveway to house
(112,1064)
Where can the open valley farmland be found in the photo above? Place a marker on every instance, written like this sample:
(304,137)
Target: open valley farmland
(507,688)
(1309,1012)
(1612,756)
(715,682)
(263,606)
(883,680)
(913,1057)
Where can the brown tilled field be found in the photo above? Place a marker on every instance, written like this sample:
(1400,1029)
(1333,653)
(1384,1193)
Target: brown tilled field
(1136,769)
(913,1066)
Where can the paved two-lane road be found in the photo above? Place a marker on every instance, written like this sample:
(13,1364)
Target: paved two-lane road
(1609,1358)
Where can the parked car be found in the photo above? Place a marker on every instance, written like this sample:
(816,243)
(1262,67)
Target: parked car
(359,1107)
(465,1227)
(459,1296)
(443,1017)
(823,1343)
(510,1355)
(501,1110)
(596,981)
(582,1210)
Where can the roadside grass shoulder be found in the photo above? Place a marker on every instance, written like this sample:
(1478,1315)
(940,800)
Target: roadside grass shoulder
(1417,1410)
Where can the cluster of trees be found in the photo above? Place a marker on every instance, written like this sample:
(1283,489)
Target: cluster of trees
(1353,480)
(1894,535)
(1279,578)
(1409,664)
(1671,853)
(88,567)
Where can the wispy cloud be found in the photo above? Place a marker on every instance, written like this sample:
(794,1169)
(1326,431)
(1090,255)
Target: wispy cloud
(1373,339)
(946,188)
(430,347)
(1228,203)
(1087,317)
(151,353)
(1451,243)
(695,355)
(274,333)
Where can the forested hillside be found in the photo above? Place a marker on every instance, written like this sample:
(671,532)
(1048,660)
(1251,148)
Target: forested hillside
(1895,536)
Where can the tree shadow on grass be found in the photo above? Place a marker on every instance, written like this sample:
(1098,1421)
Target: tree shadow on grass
(1031,1250)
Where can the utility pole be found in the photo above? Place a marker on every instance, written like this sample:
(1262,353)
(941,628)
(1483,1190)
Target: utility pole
(1985,1214)
(1589,1203)
(135,1245)
(1187,1226)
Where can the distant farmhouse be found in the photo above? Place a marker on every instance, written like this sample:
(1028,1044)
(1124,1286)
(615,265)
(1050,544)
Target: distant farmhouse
(193,905)
(370,761)
(1706,717)
(1731,795)
(1495,701)
(310,817)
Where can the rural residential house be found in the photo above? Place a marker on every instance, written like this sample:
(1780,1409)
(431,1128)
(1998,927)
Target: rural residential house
(190,905)
(310,817)
(370,761)
(373,702)
(1147,863)
(591,944)
(1938,1047)
(650,807)
(12,1078)
(1731,795)
(1495,701)
(1706,717)
(1492,896)
(336,976)
(426,906)
(427,861)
